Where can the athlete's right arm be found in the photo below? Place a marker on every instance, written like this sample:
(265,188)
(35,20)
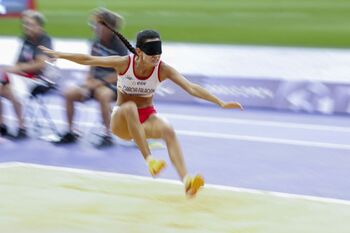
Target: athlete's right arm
(83,59)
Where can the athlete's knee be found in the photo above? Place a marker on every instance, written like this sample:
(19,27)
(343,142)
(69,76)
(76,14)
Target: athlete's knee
(129,108)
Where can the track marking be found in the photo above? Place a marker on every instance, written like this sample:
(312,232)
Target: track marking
(232,137)
(264,139)
(279,124)
(224,120)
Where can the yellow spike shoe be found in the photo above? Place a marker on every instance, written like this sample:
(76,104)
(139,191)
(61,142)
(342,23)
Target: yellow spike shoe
(156,166)
(193,184)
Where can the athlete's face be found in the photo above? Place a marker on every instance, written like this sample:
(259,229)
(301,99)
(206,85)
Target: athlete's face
(151,59)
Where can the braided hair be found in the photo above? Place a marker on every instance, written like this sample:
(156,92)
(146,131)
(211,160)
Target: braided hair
(121,37)
(141,37)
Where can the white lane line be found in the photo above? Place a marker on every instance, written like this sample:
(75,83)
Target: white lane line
(279,124)
(161,180)
(224,120)
(10,164)
(228,136)
(264,139)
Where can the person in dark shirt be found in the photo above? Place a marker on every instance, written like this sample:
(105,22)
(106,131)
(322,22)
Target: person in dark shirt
(30,63)
(99,81)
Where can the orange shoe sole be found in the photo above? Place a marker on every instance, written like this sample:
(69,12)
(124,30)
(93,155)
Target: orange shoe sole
(195,184)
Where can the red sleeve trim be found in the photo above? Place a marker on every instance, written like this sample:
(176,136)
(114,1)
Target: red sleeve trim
(159,71)
(127,67)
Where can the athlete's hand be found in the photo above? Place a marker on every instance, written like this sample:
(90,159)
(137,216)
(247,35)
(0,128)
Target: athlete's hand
(229,105)
(50,52)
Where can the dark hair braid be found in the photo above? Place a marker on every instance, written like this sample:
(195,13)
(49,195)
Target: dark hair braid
(121,37)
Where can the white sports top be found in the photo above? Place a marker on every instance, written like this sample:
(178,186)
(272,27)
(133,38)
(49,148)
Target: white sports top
(130,84)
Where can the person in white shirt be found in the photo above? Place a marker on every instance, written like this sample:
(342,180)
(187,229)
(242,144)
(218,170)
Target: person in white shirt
(30,64)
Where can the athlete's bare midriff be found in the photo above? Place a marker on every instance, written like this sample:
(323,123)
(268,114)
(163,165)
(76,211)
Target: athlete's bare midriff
(141,102)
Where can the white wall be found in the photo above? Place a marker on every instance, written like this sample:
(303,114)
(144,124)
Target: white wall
(331,65)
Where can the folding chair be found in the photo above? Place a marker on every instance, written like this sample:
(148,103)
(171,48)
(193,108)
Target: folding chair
(41,86)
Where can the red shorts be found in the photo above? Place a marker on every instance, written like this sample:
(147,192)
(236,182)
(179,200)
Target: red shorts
(145,113)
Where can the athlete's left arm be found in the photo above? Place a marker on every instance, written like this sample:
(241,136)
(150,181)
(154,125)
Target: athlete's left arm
(167,72)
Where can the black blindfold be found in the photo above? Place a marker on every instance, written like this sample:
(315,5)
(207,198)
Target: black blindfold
(152,48)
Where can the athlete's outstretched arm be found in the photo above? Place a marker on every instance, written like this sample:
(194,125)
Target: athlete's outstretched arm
(83,59)
(195,89)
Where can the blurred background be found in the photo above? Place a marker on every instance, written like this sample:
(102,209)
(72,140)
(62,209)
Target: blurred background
(298,56)
(311,23)
(286,61)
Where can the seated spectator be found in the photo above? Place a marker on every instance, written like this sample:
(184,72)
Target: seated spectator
(99,81)
(30,64)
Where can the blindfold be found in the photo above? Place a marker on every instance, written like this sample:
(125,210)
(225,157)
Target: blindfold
(152,48)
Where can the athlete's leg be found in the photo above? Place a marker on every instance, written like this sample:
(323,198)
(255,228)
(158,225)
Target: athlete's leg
(118,124)
(156,127)
(126,125)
